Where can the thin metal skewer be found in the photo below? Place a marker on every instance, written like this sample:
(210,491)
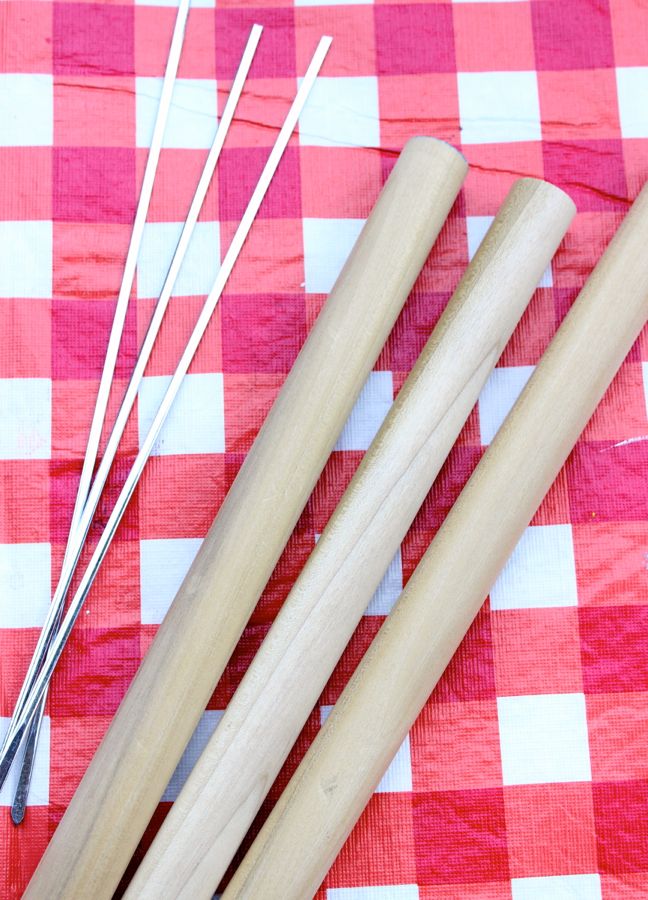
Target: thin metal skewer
(53,619)
(17,728)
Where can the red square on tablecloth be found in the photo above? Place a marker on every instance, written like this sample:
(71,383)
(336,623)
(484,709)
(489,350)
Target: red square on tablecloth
(238,173)
(622,838)
(527,643)
(178,323)
(605,188)
(95,670)
(611,562)
(27,28)
(88,259)
(80,330)
(320,165)
(358,862)
(493,37)
(93,39)
(271,255)
(460,836)
(617,726)
(276,55)
(455,746)
(153,31)
(94,184)
(580,105)
(399,47)
(94,111)
(411,105)
(608,485)
(573,35)
(26,519)
(176,179)
(629,33)
(195,485)
(28,354)
(353,51)
(614,646)
(27,195)
(262,332)
(550,829)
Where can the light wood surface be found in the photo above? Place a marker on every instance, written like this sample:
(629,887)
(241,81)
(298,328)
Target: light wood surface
(331,787)
(127,776)
(214,810)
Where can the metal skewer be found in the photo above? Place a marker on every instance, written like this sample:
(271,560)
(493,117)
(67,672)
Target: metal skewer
(75,546)
(17,728)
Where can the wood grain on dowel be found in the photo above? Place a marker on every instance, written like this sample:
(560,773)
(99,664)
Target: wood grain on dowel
(335,780)
(129,772)
(209,819)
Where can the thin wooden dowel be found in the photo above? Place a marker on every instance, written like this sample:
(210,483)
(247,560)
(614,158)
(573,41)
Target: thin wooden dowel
(214,810)
(334,782)
(127,776)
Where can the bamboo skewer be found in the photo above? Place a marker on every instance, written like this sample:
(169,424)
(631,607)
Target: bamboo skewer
(132,766)
(82,526)
(334,782)
(215,808)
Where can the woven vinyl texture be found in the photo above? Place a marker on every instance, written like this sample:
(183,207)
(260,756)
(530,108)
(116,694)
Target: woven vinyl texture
(526,775)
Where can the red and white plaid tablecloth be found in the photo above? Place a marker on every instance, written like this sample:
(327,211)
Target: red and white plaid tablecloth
(526,776)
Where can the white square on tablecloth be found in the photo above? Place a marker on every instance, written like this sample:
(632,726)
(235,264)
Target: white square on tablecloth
(632,90)
(39,788)
(498,107)
(503,386)
(26,110)
(25,584)
(398,776)
(26,405)
(327,244)
(196,422)
(26,259)
(192,120)
(389,589)
(199,740)
(543,738)
(541,571)
(477,226)
(369,410)
(557,887)
(200,265)
(164,563)
(341,112)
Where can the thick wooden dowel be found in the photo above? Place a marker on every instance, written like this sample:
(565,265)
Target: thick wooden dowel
(334,782)
(209,819)
(129,772)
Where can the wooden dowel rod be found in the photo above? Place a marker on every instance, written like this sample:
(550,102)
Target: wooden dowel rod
(334,782)
(210,817)
(129,772)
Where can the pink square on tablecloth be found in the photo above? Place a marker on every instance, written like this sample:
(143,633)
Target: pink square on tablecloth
(572,35)
(94,184)
(93,39)
(238,172)
(411,40)
(276,56)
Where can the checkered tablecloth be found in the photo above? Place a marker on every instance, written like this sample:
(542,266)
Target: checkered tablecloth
(526,776)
